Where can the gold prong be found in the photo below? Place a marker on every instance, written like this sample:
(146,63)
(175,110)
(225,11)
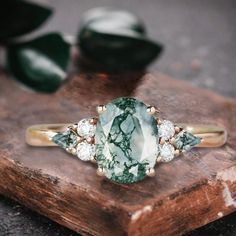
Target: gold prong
(79,139)
(177,129)
(150,172)
(90,140)
(93,159)
(71,150)
(101,109)
(177,152)
(172,141)
(100,172)
(151,110)
(159,121)
(93,121)
(162,141)
(159,159)
(73,127)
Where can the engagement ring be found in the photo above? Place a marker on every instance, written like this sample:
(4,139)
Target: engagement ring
(127,139)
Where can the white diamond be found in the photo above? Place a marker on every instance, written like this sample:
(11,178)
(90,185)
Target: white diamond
(167,152)
(166,129)
(85,151)
(85,128)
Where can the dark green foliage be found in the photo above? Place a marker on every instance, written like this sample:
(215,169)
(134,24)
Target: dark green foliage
(41,63)
(115,40)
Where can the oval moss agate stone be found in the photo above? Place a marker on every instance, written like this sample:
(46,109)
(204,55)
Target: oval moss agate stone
(126,140)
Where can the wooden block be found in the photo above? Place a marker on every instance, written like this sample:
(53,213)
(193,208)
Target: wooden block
(189,192)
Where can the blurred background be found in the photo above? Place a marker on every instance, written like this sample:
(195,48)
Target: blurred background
(199,36)
(199,39)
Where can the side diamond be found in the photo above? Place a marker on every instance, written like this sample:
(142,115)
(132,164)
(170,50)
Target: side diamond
(167,152)
(85,128)
(185,140)
(85,151)
(166,129)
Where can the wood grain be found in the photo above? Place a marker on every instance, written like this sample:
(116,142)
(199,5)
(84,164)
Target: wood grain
(191,191)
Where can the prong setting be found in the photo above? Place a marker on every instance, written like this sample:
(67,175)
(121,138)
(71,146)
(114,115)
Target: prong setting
(162,141)
(90,140)
(159,121)
(172,141)
(93,159)
(101,109)
(79,139)
(100,171)
(177,152)
(93,121)
(177,129)
(159,159)
(150,172)
(151,110)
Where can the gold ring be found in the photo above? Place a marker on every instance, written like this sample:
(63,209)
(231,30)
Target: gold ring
(127,139)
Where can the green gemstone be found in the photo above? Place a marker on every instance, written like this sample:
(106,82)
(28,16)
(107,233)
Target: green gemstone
(186,140)
(65,139)
(126,140)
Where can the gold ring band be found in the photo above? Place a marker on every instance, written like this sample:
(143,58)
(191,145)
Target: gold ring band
(211,135)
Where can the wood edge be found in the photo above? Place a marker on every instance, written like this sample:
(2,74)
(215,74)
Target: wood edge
(108,218)
(145,220)
(218,195)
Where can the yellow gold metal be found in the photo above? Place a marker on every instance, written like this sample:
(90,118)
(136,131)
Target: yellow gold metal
(172,141)
(90,140)
(101,109)
(150,172)
(212,136)
(151,110)
(79,139)
(177,152)
(93,159)
(177,129)
(73,151)
(73,127)
(93,121)
(100,172)
(159,121)
(162,141)
(159,158)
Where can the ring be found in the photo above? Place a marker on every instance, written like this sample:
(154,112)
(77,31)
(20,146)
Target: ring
(127,139)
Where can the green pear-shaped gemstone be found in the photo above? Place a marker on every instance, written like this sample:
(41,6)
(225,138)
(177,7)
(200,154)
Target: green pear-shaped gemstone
(185,140)
(65,139)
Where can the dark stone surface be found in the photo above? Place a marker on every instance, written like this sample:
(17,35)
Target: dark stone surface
(200,47)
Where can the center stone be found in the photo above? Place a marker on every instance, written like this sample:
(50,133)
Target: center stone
(126,140)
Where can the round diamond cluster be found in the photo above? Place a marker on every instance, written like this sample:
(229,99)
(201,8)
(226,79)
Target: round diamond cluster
(84,146)
(166,134)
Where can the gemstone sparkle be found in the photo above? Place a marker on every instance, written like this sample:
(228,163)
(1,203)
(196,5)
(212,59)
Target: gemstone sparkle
(85,128)
(85,151)
(167,152)
(166,129)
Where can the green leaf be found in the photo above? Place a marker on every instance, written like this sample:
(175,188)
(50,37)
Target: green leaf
(18,17)
(41,63)
(115,40)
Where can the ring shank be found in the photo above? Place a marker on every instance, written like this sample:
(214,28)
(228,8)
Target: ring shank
(211,136)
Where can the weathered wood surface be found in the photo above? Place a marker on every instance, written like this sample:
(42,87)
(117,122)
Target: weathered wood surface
(187,193)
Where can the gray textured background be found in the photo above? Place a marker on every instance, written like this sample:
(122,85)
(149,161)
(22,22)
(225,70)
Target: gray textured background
(200,41)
